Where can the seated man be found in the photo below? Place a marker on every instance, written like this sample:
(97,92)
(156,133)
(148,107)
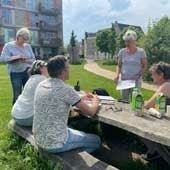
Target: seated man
(53,99)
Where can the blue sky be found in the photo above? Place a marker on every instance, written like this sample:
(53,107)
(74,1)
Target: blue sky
(93,15)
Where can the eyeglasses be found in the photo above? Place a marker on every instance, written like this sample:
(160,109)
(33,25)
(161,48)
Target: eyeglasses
(25,38)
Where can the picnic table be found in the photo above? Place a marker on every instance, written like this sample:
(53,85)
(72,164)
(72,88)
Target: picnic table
(148,127)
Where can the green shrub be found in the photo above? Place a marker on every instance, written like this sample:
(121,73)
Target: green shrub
(110,62)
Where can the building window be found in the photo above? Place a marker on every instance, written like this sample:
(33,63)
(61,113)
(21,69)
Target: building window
(7,16)
(34,37)
(21,18)
(9,34)
(31,4)
(48,4)
(33,18)
(48,20)
(48,35)
(7,2)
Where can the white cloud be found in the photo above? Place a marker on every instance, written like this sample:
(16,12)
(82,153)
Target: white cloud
(92,15)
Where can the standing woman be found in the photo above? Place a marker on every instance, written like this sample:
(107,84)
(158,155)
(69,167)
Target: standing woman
(19,56)
(132,63)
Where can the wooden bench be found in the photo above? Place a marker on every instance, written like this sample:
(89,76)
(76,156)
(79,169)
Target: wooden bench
(72,160)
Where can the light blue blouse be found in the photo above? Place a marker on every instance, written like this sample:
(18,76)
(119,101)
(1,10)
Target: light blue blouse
(11,49)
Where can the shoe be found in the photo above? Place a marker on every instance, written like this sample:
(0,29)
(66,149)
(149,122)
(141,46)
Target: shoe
(123,101)
(150,156)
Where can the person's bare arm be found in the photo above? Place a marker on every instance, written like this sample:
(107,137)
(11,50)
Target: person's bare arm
(91,109)
(144,64)
(165,89)
(118,70)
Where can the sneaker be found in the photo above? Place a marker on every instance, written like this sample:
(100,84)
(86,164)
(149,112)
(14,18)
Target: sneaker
(150,156)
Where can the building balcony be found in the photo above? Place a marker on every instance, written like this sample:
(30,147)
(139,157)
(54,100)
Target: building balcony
(51,43)
(49,11)
(46,27)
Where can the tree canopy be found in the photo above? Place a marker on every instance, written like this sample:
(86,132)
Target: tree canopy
(157,41)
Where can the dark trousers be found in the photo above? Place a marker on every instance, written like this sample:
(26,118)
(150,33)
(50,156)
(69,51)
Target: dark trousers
(18,81)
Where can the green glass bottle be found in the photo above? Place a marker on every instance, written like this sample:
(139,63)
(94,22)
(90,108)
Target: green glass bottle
(160,103)
(137,100)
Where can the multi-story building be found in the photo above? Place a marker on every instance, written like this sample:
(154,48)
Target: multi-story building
(42,17)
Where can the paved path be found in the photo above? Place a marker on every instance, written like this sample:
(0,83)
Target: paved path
(93,67)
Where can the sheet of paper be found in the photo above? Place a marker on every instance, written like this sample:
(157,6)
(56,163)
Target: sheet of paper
(110,98)
(125,84)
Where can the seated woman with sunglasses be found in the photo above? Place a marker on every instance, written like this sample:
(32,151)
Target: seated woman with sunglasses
(160,73)
(23,109)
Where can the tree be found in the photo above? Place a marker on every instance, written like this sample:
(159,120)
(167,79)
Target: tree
(73,49)
(157,41)
(102,41)
(112,41)
(119,40)
(73,39)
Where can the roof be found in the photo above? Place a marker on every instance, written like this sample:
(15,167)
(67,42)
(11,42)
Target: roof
(122,26)
(90,34)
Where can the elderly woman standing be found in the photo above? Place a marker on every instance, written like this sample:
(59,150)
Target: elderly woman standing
(19,56)
(23,109)
(132,63)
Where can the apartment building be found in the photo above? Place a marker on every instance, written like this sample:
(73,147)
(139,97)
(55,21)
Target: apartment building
(42,17)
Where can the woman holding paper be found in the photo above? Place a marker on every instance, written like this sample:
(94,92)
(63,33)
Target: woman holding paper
(19,56)
(132,63)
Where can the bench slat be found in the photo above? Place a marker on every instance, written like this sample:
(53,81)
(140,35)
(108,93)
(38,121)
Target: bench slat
(71,160)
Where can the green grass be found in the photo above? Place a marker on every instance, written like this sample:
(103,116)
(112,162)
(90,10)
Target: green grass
(89,81)
(107,67)
(15,153)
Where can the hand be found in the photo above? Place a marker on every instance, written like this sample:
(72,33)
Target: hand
(116,79)
(136,77)
(16,58)
(96,99)
(87,96)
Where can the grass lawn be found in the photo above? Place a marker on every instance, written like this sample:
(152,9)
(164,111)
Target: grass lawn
(15,153)
(107,67)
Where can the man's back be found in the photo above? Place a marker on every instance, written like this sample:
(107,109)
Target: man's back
(52,102)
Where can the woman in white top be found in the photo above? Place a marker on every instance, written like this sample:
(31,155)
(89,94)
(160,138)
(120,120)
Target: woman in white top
(23,109)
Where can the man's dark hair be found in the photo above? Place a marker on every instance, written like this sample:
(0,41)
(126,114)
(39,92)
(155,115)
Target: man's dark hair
(56,65)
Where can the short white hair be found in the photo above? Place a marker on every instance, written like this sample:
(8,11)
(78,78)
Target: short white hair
(130,35)
(23,32)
